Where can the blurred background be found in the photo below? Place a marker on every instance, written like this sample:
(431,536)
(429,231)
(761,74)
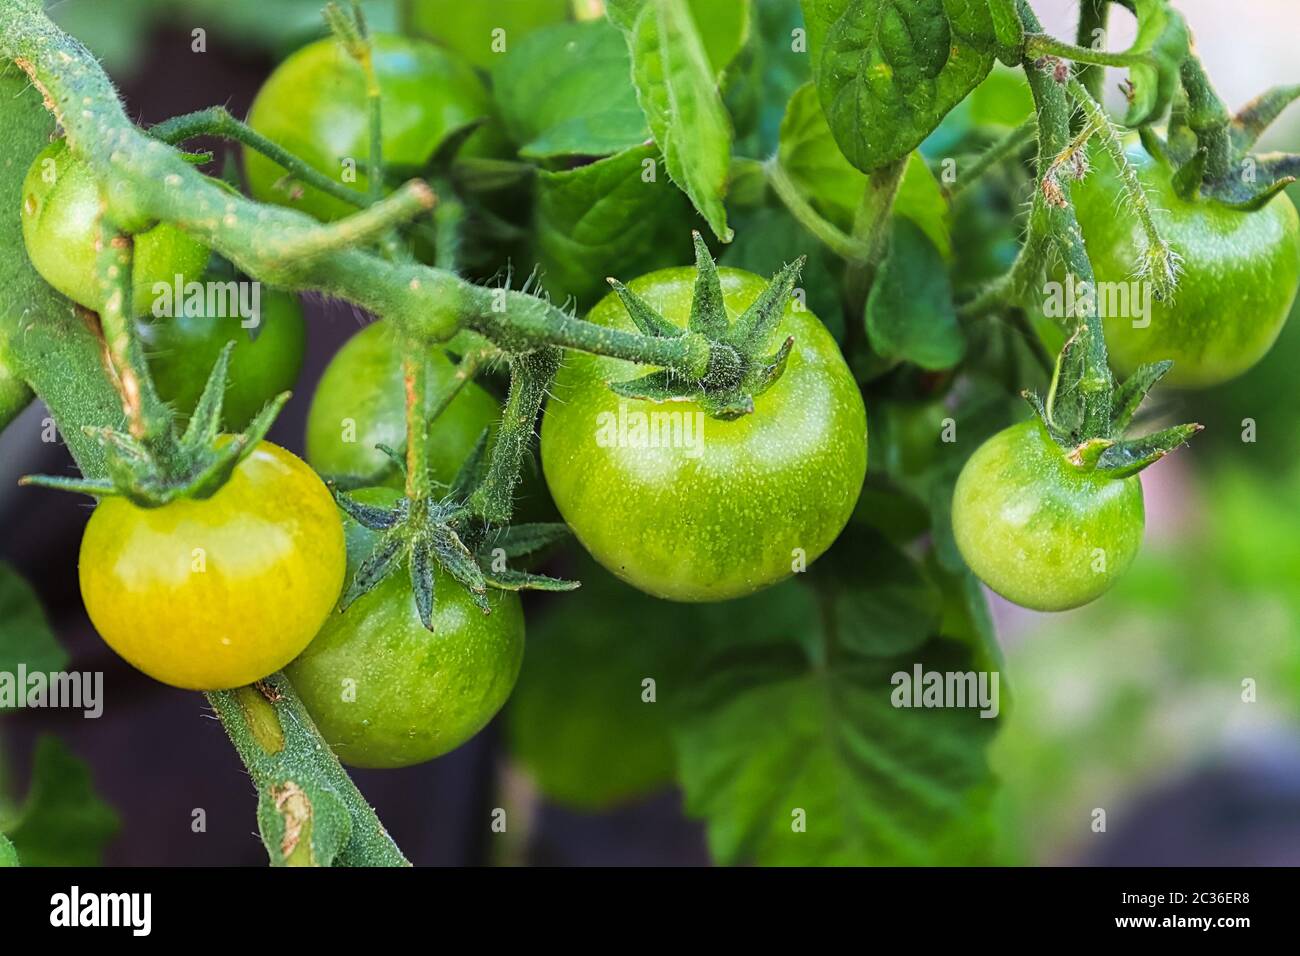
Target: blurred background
(1134,705)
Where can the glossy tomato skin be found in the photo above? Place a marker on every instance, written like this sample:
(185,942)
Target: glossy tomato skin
(1039,531)
(732,512)
(360,404)
(315,105)
(1240,274)
(182,350)
(59,216)
(386,692)
(214,594)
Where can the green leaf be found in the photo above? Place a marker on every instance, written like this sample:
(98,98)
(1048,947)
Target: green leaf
(887,71)
(25,637)
(63,821)
(811,158)
(910,315)
(774,736)
(567,90)
(1163,33)
(468,28)
(877,600)
(577,720)
(723,28)
(1008,29)
(677,88)
(763,78)
(605,218)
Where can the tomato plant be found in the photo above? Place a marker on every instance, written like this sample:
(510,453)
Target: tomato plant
(264,362)
(60,212)
(684,251)
(388,692)
(683,529)
(221,592)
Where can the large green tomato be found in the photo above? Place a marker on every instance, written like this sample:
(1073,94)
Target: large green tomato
(1240,274)
(1038,530)
(214,594)
(384,691)
(315,105)
(360,403)
(265,361)
(60,217)
(693,508)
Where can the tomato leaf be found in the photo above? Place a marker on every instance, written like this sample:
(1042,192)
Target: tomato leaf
(678,92)
(578,720)
(567,90)
(605,218)
(860,780)
(811,158)
(910,315)
(474,30)
(887,71)
(762,79)
(25,637)
(878,601)
(1163,34)
(63,821)
(1008,29)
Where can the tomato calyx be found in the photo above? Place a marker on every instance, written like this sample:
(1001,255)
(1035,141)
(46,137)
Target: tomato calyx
(739,366)
(1087,418)
(194,463)
(428,533)
(1208,158)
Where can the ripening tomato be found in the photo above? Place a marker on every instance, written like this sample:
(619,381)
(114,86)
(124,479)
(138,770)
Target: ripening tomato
(214,594)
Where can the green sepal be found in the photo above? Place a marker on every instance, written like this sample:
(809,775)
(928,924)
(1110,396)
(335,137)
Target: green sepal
(1189,177)
(708,309)
(368,516)
(761,377)
(1259,199)
(457,560)
(378,564)
(524,581)
(751,330)
(1086,454)
(394,456)
(660,386)
(521,540)
(643,315)
(1258,115)
(1065,406)
(1130,394)
(1126,458)
(205,422)
(423,581)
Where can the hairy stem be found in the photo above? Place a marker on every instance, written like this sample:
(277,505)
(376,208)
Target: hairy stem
(1208,118)
(1040,45)
(830,235)
(1008,146)
(415,380)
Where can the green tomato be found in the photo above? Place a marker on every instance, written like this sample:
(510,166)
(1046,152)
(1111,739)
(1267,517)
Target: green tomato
(1036,529)
(483,32)
(60,218)
(182,350)
(716,509)
(1240,272)
(315,106)
(360,403)
(384,691)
